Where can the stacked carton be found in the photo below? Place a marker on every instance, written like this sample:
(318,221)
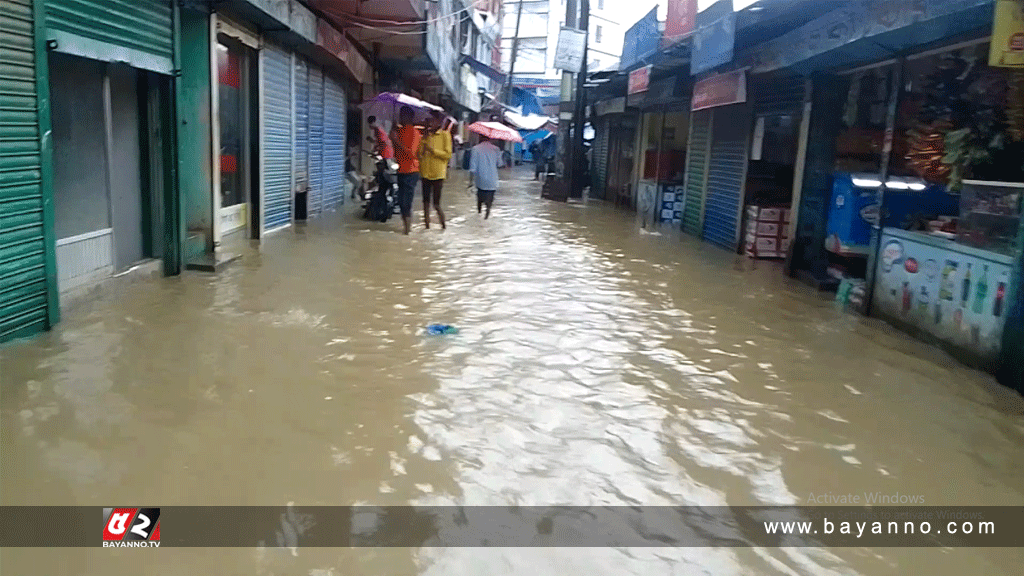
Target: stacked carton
(672,204)
(767,231)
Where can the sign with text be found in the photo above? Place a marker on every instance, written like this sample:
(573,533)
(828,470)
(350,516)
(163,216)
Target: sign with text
(641,41)
(639,80)
(1007,50)
(720,90)
(681,20)
(571,46)
(715,37)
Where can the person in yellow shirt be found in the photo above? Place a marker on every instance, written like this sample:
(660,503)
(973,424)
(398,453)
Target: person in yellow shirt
(435,152)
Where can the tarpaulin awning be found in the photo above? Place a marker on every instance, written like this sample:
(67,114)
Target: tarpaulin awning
(482,68)
(528,122)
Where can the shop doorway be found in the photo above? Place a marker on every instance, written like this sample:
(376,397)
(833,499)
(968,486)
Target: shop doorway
(236,80)
(621,151)
(108,152)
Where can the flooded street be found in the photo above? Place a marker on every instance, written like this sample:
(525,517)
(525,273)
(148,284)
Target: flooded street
(596,365)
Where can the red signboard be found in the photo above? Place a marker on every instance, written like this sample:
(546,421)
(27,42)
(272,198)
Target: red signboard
(682,19)
(720,90)
(639,80)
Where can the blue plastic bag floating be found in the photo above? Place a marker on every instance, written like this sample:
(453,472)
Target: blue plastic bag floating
(440,329)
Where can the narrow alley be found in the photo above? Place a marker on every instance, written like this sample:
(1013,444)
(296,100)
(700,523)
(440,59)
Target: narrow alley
(596,364)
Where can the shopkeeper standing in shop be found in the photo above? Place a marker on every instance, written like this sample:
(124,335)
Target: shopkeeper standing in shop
(407,144)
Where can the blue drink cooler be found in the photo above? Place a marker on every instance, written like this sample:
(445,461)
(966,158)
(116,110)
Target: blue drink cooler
(853,211)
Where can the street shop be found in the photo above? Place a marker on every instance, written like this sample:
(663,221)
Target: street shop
(614,151)
(917,159)
(662,141)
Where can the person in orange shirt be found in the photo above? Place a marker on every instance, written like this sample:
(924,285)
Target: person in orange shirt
(407,145)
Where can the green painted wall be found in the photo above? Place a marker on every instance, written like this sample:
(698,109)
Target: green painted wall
(195,170)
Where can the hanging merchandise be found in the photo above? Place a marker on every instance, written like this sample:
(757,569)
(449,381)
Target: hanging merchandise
(1015,105)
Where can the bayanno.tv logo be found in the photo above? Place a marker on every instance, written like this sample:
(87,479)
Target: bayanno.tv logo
(131,527)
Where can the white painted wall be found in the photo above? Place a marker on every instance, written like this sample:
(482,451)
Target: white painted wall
(542,19)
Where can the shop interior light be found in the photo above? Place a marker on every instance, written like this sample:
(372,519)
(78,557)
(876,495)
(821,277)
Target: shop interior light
(917,187)
(864,183)
(897,185)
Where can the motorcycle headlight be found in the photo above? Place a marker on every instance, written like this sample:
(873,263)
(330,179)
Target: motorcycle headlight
(393,166)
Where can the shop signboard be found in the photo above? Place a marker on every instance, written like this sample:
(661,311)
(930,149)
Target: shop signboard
(853,22)
(956,293)
(641,41)
(639,80)
(681,20)
(714,38)
(720,90)
(1007,48)
(569,53)
(612,106)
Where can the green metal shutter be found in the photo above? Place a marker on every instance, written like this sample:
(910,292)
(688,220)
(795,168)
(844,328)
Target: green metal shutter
(138,32)
(698,152)
(23,287)
(599,183)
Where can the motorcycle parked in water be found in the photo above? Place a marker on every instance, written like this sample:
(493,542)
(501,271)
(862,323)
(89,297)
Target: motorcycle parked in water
(381,202)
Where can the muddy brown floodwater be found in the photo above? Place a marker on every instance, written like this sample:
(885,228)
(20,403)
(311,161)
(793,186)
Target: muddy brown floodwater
(597,364)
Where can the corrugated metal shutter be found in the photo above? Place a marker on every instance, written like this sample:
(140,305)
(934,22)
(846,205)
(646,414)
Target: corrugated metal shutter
(277,137)
(301,144)
(335,115)
(778,96)
(316,139)
(697,152)
(730,136)
(23,288)
(138,32)
(599,183)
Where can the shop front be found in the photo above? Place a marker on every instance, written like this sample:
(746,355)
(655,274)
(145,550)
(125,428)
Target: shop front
(913,180)
(110,96)
(664,123)
(950,205)
(614,154)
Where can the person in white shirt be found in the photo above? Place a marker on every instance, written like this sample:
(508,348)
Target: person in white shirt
(484,163)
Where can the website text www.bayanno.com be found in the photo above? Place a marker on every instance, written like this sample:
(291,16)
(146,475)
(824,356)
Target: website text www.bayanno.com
(908,523)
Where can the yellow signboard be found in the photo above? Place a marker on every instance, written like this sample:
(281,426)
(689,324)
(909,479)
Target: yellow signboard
(1008,35)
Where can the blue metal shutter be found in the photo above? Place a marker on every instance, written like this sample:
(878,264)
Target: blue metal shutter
(730,136)
(301,144)
(316,139)
(697,152)
(23,284)
(138,32)
(277,138)
(335,115)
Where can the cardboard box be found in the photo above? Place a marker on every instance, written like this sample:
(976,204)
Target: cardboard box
(759,228)
(669,196)
(666,214)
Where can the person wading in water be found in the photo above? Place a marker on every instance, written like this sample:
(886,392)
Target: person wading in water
(435,152)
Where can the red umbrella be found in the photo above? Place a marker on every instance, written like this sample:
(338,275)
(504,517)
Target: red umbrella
(496,130)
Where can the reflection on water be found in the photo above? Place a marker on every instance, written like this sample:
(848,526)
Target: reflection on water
(596,365)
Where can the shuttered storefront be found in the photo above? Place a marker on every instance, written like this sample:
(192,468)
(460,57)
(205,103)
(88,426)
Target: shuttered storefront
(599,183)
(316,139)
(301,145)
(335,115)
(277,137)
(138,32)
(697,155)
(727,170)
(23,278)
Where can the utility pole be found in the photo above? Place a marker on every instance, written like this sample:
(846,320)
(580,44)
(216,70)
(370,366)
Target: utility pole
(563,163)
(579,114)
(512,59)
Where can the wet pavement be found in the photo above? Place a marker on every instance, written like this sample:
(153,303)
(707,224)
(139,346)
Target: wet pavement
(597,364)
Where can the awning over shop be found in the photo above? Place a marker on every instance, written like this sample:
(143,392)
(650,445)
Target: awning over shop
(482,68)
(529,122)
(856,35)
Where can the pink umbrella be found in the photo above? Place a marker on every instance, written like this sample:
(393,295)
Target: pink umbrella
(387,105)
(496,130)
